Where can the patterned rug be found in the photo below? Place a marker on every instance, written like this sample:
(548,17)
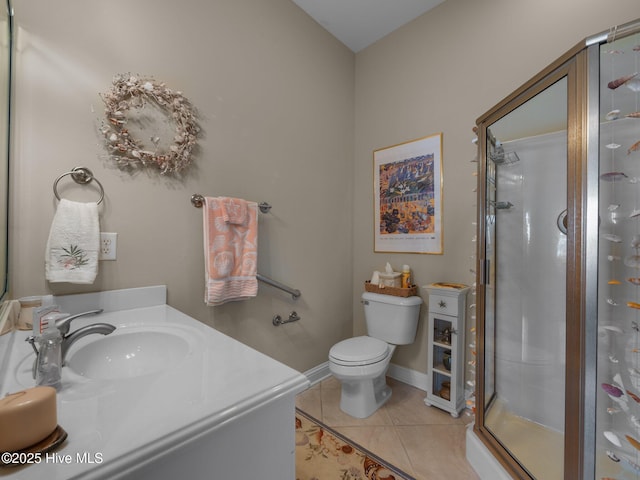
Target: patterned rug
(324,454)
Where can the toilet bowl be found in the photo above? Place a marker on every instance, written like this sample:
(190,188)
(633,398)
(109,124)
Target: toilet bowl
(361,363)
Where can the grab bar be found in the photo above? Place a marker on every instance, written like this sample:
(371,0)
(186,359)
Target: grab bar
(295,293)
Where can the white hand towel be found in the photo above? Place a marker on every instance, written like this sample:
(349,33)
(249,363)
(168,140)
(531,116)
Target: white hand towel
(73,244)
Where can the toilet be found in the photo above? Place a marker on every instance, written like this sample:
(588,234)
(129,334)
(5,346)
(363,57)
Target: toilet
(361,363)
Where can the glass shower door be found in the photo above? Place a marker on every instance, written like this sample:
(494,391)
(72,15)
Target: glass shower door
(525,252)
(618,384)
(558,283)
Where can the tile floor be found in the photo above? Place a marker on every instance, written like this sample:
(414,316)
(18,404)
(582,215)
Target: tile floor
(425,442)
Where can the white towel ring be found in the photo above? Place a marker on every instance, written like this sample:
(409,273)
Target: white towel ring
(82,176)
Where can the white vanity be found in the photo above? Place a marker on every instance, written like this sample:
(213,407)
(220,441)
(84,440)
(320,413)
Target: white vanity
(186,402)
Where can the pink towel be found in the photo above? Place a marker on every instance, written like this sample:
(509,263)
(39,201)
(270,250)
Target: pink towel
(230,249)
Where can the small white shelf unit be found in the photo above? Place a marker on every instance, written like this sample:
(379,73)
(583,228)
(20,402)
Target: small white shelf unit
(447,311)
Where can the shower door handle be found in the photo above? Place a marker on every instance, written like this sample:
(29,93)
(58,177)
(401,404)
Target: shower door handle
(485,268)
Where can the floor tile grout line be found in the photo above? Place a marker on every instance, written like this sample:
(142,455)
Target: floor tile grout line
(400,415)
(406,452)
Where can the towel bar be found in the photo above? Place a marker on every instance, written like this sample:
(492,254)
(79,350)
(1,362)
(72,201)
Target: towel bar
(197,201)
(82,176)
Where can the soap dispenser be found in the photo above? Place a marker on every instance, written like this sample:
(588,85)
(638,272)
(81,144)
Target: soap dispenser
(49,361)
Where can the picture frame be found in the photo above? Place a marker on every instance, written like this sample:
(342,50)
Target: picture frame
(407,183)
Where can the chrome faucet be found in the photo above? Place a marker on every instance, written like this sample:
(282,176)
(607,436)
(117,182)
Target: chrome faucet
(63,320)
(68,339)
(63,324)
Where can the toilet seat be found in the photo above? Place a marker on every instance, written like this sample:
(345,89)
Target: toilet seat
(359,351)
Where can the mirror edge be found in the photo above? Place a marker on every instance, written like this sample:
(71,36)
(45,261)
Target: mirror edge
(4,276)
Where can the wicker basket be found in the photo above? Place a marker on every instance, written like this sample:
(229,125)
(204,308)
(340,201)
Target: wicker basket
(395,291)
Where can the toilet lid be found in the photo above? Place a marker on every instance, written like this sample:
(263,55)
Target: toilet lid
(359,351)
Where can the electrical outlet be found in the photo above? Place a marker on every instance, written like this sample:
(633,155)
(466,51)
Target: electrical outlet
(108,244)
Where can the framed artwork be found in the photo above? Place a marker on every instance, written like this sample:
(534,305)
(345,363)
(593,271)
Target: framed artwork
(407,183)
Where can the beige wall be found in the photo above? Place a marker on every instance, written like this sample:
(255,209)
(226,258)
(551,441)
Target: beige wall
(283,106)
(438,74)
(275,96)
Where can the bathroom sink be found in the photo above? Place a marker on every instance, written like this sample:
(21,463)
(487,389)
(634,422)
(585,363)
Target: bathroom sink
(129,354)
(117,389)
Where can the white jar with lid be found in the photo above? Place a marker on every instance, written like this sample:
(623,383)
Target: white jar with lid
(25,318)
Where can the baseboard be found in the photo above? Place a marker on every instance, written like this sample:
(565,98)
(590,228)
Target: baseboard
(408,376)
(402,374)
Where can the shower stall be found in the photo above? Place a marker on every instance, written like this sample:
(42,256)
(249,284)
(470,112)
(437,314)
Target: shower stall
(558,287)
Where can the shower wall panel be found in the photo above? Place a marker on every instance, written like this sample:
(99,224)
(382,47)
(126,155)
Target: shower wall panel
(530,332)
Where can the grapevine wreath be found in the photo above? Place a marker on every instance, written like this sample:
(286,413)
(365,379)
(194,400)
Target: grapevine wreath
(130,92)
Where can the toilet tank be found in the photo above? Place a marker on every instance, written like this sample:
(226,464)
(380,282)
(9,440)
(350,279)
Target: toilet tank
(390,318)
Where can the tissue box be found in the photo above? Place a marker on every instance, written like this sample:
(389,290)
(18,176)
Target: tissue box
(391,279)
(395,291)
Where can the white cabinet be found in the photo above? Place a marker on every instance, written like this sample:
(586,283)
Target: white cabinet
(447,308)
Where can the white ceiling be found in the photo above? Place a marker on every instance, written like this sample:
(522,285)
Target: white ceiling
(359,23)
